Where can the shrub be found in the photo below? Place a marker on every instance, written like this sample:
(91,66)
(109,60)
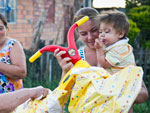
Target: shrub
(141,16)
(133,31)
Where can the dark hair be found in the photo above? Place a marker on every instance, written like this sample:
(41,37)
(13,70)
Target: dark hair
(3,19)
(86,11)
(117,18)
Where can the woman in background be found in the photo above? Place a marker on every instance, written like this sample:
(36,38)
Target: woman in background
(12,60)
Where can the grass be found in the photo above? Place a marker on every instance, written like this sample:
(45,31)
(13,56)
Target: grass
(142,108)
(28,83)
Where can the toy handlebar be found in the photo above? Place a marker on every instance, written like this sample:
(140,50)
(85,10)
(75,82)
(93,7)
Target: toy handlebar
(82,20)
(71,51)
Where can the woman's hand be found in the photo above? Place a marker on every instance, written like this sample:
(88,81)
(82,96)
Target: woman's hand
(10,100)
(38,91)
(65,63)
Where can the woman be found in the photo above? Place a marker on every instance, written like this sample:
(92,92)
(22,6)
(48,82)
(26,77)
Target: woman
(88,32)
(12,60)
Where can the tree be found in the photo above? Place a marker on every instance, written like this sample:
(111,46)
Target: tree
(143,2)
(141,16)
(135,3)
(133,31)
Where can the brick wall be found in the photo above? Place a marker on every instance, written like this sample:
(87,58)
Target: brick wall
(29,11)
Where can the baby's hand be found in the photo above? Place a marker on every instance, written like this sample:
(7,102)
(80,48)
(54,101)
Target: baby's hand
(98,44)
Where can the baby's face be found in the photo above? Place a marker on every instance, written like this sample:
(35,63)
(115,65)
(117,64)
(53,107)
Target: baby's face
(108,34)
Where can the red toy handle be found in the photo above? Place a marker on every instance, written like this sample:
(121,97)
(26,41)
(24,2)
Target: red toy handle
(71,51)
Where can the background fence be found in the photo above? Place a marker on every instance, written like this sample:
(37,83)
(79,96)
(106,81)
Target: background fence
(44,71)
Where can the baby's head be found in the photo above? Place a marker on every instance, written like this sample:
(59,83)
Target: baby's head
(117,18)
(113,22)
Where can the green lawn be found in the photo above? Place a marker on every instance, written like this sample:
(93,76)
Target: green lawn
(142,108)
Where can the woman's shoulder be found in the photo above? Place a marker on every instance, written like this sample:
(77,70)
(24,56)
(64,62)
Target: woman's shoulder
(9,44)
(11,41)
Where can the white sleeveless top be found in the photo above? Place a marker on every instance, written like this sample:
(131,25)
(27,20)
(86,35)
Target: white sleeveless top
(81,53)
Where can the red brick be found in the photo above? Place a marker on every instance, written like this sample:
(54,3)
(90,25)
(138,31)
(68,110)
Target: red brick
(28,13)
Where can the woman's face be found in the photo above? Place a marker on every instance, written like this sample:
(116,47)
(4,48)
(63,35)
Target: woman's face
(88,32)
(2,30)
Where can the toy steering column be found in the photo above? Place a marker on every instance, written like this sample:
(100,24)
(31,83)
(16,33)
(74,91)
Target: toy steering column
(71,51)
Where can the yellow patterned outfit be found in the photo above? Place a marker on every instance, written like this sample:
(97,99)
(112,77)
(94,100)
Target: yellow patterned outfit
(91,90)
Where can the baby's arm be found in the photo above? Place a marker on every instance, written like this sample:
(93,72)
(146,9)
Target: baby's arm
(102,62)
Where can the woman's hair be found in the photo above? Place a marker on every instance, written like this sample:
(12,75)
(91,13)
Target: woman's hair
(86,11)
(3,19)
(117,18)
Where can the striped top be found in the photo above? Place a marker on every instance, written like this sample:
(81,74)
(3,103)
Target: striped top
(119,55)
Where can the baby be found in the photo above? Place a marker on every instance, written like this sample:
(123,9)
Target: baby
(112,48)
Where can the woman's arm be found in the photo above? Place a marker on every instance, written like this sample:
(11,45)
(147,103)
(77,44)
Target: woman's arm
(143,95)
(9,101)
(16,70)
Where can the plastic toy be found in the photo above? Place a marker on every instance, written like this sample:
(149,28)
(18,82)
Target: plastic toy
(71,51)
(90,89)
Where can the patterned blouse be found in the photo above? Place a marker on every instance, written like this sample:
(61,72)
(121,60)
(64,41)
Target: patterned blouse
(6,83)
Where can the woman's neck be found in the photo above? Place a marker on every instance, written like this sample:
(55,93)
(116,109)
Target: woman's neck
(90,56)
(87,49)
(2,42)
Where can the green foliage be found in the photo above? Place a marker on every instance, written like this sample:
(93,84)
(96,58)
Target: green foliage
(135,3)
(35,77)
(133,31)
(142,108)
(144,2)
(28,83)
(141,15)
(130,4)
